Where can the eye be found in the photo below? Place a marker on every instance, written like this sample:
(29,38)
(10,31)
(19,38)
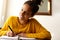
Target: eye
(21,9)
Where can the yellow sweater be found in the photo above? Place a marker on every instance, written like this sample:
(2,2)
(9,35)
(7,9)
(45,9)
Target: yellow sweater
(33,29)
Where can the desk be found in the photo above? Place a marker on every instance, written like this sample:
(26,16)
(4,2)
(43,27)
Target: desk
(15,38)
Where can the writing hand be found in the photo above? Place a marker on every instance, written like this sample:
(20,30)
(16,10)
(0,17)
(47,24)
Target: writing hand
(10,34)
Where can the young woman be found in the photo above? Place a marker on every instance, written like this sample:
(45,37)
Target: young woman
(25,25)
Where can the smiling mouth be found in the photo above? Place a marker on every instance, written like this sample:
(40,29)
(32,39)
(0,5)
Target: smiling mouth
(22,18)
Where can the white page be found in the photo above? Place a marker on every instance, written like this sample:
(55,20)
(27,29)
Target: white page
(8,38)
(15,38)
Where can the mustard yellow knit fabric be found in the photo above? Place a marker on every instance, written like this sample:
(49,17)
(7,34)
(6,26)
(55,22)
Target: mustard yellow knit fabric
(33,29)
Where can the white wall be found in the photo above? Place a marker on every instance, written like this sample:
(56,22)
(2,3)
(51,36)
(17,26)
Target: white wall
(14,7)
(1,4)
(51,23)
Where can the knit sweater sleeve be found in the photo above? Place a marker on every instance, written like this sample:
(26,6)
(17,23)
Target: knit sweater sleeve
(5,28)
(41,32)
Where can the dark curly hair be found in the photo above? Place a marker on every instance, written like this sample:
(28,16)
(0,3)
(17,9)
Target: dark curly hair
(34,5)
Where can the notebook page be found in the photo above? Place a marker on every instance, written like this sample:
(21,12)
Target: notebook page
(8,38)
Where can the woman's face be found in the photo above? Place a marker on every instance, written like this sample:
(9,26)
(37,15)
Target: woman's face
(25,12)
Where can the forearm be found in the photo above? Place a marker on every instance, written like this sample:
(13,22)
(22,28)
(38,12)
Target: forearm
(41,35)
(3,33)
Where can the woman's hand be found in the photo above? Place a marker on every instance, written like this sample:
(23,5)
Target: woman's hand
(10,34)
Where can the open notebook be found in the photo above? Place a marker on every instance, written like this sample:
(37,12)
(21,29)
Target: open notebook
(8,38)
(15,38)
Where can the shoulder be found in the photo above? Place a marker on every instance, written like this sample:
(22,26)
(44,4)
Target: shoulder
(12,17)
(33,20)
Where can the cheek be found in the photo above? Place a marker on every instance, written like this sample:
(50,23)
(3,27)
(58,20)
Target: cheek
(27,17)
(20,14)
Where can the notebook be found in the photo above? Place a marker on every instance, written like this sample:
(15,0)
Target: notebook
(15,38)
(8,38)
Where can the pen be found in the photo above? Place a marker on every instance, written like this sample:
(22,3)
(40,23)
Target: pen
(10,28)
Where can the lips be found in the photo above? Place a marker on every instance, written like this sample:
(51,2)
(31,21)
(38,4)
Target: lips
(21,17)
